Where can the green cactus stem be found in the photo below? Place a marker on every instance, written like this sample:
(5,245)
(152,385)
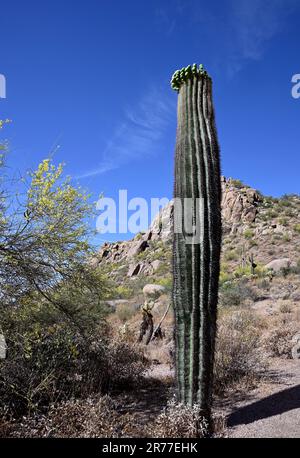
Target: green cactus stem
(196,265)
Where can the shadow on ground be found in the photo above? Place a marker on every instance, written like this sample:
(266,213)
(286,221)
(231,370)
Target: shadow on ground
(276,404)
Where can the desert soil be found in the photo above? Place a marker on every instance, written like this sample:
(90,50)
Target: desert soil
(273,409)
(270,410)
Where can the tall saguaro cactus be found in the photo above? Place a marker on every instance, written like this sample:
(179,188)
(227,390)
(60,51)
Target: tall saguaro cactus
(196,260)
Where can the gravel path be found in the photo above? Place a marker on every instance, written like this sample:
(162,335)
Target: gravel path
(273,410)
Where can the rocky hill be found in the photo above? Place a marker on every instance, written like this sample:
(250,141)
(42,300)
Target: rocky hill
(264,228)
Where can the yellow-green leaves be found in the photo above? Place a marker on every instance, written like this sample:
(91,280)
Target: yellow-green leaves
(51,195)
(3,122)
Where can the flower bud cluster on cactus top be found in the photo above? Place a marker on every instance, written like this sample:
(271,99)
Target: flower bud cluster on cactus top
(180,76)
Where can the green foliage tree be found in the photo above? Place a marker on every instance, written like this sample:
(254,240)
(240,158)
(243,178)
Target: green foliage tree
(51,308)
(44,246)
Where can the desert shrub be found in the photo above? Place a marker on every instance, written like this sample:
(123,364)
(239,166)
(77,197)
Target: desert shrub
(269,201)
(295,269)
(123,292)
(278,343)
(238,183)
(57,363)
(238,357)
(88,418)
(179,420)
(285,271)
(167,282)
(234,294)
(260,271)
(283,221)
(285,307)
(272,214)
(224,278)
(248,234)
(264,284)
(289,212)
(285,202)
(230,255)
(6,427)
(125,365)
(252,243)
(297,228)
(242,271)
(45,365)
(125,312)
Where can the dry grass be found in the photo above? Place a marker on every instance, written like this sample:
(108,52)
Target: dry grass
(179,420)
(278,343)
(88,418)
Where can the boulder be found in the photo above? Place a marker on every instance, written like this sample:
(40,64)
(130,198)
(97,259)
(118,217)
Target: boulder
(295,296)
(152,291)
(161,226)
(156,264)
(296,338)
(296,351)
(134,270)
(137,248)
(278,264)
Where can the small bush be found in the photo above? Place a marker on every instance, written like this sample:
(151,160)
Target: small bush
(284,202)
(224,278)
(252,243)
(295,269)
(238,357)
(285,307)
(259,271)
(283,221)
(248,234)
(286,238)
(167,282)
(297,228)
(179,420)
(264,284)
(88,418)
(278,343)
(270,214)
(125,312)
(232,294)
(123,292)
(237,183)
(230,255)
(56,364)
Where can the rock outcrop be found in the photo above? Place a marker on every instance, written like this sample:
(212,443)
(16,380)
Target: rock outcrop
(153,291)
(296,346)
(278,264)
(240,206)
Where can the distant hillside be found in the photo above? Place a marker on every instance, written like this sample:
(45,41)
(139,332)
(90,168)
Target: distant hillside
(267,228)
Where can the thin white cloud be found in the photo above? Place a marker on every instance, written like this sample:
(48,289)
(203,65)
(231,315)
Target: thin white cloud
(138,135)
(238,32)
(256,22)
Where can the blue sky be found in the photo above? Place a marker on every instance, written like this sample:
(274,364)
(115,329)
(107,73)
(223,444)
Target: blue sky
(90,81)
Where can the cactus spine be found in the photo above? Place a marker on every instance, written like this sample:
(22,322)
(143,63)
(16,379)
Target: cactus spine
(196,265)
